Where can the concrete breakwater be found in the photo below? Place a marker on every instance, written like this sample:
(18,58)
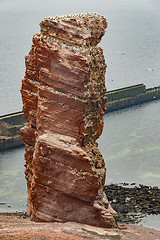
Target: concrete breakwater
(10,124)
(130,96)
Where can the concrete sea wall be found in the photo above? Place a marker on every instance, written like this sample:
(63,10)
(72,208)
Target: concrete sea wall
(142,96)
(125,92)
(10,125)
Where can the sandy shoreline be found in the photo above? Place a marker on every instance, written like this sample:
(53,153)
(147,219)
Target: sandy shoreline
(17,226)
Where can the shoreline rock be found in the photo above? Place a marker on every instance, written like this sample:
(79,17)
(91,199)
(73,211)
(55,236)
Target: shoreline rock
(133,202)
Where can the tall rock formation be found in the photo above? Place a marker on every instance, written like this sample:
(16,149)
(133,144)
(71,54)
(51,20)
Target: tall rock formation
(63,102)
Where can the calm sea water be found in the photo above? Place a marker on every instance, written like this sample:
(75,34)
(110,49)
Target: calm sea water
(131,44)
(130,142)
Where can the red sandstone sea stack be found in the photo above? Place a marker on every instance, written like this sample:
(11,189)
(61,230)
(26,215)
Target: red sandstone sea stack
(63,93)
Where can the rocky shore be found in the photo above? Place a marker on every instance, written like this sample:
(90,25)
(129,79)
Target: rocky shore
(133,202)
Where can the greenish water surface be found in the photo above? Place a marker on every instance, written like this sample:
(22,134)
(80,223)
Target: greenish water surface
(130,144)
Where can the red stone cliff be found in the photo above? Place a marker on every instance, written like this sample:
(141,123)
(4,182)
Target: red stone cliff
(63,102)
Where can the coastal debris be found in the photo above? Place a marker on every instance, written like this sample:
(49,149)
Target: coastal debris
(149,69)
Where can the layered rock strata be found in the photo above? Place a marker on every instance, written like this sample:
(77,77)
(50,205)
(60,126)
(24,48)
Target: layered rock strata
(63,102)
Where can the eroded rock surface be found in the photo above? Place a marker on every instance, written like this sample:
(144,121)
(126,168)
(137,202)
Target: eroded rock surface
(63,102)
